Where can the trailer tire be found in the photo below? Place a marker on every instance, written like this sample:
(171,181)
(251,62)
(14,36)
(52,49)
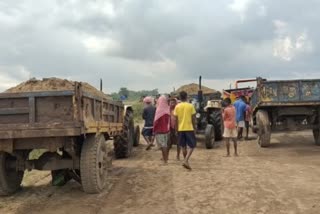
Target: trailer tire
(218,125)
(123,144)
(136,141)
(316,135)
(264,129)
(10,179)
(93,164)
(209,136)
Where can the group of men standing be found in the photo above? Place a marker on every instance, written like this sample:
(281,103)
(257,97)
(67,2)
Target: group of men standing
(171,121)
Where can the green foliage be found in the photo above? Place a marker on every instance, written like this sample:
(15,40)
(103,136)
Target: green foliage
(115,96)
(137,111)
(124,92)
(134,95)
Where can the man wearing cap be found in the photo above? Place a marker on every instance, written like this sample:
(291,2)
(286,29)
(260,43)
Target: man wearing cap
(241,107)
(148,115)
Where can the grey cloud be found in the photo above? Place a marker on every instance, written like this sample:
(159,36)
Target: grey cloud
(199,37)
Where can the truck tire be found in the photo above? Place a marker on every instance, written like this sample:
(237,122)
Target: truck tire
(209,136)
(218,125)
(93,164)
(264,129)
(136,136)
(10,179)
(316,135)
(123,144)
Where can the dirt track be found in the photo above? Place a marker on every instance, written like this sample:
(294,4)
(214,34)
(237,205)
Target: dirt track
(281,179)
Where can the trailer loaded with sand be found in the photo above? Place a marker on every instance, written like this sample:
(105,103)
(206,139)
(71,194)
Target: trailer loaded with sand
(71,122)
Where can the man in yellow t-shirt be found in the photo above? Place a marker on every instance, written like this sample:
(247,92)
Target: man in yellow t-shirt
(186,123)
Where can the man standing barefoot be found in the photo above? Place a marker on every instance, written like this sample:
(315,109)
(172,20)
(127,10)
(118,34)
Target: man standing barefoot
(148,115)
(186,123)
(230,130)
(241,107)
(161,126)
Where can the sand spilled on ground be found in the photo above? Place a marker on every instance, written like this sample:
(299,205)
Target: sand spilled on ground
(281,179)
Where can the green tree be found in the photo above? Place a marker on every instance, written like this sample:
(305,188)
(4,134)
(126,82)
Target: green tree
(124,92)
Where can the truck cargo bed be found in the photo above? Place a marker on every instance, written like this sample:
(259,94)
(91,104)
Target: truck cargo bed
(287,93)
(58,113)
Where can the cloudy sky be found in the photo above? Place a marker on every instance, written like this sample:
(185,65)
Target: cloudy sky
(146,44)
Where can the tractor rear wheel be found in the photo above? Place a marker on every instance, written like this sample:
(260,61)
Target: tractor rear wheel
(209,136)
(123,144)
(217,123)
(136,136)
(264,129)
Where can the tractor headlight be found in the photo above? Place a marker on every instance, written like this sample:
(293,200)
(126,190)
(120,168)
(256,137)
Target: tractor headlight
(198,115)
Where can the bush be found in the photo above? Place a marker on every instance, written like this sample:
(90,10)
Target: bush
(137,111)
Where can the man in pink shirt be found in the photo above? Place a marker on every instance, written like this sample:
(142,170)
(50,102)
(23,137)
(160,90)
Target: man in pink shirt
(230,128)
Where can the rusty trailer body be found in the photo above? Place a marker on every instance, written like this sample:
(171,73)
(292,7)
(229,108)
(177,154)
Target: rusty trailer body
(286,105)
(72,126)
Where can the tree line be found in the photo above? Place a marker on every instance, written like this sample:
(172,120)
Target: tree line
(130,95)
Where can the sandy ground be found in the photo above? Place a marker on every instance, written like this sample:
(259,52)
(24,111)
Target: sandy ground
(284,178)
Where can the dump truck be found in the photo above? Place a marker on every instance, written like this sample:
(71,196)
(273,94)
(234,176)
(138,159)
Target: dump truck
(71,122)
(285,105)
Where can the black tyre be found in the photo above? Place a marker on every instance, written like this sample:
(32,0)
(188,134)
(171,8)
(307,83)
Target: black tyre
(94,164)
(316,135)
(216,118)
(136,141)
(264,128)
(209,136)
(123,144)
(10,178)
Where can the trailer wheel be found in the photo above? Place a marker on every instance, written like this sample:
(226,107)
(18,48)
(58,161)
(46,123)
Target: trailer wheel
(264,129)
(209,136)
(316,135)
(123,144)
(136,136)
(10,178)
(217,123)
(94,164)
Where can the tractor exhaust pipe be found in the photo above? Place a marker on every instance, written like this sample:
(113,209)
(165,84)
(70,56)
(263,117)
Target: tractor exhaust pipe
(200,94)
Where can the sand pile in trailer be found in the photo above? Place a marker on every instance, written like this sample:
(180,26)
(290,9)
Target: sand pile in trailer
(52,84)
(192,89)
